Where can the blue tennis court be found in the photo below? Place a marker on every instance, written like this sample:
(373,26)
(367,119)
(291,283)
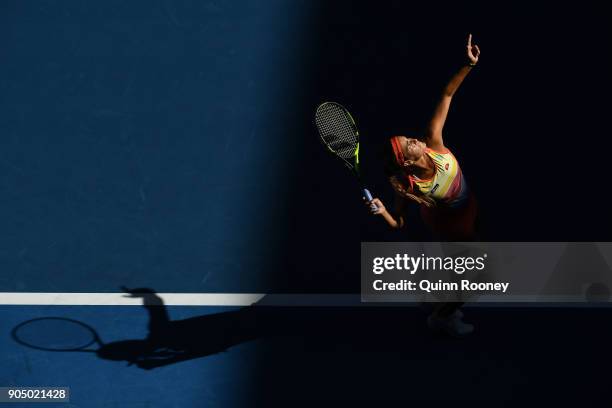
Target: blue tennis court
(169,145)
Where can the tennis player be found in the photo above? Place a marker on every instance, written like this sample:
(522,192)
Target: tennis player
(423,170)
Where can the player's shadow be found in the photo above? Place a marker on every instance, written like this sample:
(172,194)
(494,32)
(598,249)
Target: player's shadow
(167,342)
(514,337)
(293,329)
(172,341)
(290,328)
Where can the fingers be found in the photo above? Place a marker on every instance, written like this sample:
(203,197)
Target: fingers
(473,51)
(375,206)
(128,293)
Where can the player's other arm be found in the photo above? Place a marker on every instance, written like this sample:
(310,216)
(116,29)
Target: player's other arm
(433,132)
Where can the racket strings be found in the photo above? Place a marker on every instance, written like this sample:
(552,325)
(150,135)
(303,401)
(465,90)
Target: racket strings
(337,130)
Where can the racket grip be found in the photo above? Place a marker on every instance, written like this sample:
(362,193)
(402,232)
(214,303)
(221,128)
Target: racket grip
(368,196)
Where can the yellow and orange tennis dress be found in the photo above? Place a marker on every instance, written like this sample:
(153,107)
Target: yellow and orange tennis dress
(453,217)
(447,187)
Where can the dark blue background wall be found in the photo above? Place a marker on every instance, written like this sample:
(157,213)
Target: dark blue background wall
(145,142)
(170,143)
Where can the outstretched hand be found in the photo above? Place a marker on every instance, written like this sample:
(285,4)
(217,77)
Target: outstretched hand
(473,52)
(136,293)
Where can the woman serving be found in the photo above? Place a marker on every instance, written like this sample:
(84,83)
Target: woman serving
(425,171)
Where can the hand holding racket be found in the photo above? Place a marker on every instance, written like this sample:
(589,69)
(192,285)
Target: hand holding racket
(375,206)
(339,133)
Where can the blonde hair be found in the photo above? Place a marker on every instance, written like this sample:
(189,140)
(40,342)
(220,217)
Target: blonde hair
(399,188)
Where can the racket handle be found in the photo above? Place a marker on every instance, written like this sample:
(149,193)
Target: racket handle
(368,196)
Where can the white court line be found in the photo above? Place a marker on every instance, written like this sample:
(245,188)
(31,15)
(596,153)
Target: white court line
(181,299)
(120,299)
(247,299)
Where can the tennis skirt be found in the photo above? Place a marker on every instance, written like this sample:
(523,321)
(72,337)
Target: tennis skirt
(452,224)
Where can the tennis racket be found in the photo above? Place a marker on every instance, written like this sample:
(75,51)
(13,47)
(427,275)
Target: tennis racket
(339,133)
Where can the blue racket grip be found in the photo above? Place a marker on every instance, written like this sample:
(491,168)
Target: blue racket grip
(368,196)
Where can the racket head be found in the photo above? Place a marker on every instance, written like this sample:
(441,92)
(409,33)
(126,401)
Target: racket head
(55,334)
(338,132)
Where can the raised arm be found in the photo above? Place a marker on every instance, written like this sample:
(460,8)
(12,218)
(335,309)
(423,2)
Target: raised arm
(433,134)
